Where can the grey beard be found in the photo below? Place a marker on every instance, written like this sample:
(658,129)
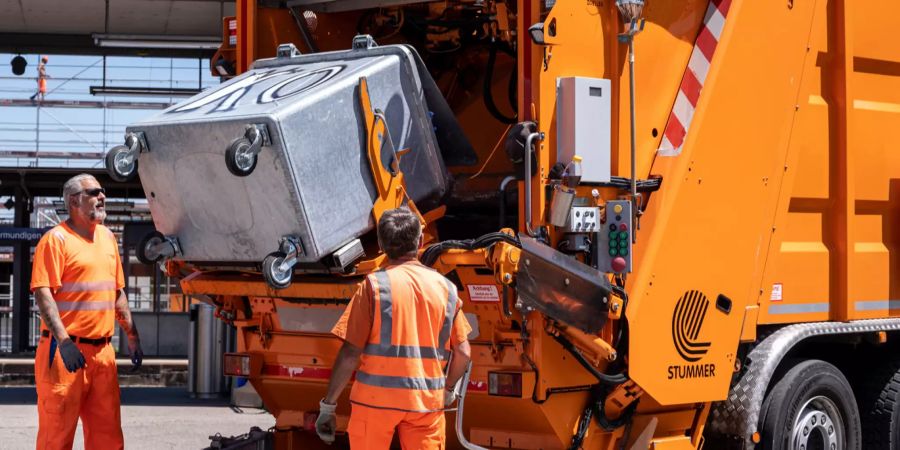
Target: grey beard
(97,216)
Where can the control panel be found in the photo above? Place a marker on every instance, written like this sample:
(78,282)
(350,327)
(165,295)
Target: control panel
(584,219)
(613,248)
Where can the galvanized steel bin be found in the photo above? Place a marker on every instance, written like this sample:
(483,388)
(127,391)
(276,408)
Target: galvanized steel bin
(312,179)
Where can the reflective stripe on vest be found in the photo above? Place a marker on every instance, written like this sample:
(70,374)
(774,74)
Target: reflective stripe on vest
(449,315)
(87,286)
(81,305)
(387,349)
(422,384)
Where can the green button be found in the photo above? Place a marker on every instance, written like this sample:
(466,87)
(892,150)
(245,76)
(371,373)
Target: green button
(613,235)
(623,235)
(623,243)
(613,244)
(613,252)
(623,251)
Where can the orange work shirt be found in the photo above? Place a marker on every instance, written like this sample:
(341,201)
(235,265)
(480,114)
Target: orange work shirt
(398,317)
(84,277)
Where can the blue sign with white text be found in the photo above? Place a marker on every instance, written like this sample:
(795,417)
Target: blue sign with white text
(21,234)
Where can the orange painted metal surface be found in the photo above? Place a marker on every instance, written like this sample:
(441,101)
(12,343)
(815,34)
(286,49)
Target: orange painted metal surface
(781,207)
(833,251)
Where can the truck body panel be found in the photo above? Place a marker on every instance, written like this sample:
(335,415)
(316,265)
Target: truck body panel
(763,234)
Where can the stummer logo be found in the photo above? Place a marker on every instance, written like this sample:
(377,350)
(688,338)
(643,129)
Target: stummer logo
(687,325)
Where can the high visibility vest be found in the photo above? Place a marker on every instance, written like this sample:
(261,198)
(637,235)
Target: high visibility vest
(402,364)
(84,278)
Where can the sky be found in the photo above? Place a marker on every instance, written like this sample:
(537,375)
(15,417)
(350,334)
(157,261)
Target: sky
(95,130)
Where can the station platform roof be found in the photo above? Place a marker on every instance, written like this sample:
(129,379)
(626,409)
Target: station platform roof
(48,182)
(66,27)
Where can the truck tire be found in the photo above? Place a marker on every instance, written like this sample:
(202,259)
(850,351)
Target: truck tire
(879,404)
(811,407)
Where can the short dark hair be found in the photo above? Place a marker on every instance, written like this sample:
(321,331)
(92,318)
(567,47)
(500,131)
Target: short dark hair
(398,232)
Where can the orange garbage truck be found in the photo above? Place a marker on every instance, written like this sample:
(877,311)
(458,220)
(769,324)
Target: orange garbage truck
(672,224)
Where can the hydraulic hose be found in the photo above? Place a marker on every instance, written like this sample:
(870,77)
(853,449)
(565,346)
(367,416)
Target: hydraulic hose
(583,425)
(611,380)
(488,79)
(503,185)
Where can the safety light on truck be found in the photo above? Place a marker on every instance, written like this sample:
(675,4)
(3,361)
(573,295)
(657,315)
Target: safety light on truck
(505,384)
(236,365)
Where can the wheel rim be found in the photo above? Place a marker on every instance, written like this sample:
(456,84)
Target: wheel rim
(149,249)
(124,164)
(243,159)
(818,426)
(279,276)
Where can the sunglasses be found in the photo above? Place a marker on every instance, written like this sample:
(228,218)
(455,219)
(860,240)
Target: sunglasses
(95,192)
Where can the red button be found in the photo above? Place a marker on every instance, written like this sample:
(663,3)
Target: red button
(623,226)
(619,264)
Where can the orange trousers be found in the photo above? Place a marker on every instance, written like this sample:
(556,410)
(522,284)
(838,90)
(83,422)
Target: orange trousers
(91,393)
(373,429)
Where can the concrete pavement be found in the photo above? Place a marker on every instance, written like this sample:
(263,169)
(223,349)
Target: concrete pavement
(153,418)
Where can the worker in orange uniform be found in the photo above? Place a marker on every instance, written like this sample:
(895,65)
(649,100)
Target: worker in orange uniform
(42,79)
(78,286)
(399,330)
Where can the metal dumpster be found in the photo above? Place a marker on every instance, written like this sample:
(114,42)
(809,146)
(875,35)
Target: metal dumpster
(311,177)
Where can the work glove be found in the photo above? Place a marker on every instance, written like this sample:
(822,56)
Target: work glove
(450,396)
(326,422)
(137,354)
(71,356)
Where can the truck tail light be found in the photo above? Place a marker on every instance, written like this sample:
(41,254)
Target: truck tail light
(232,32)
(505,384)
(236,364)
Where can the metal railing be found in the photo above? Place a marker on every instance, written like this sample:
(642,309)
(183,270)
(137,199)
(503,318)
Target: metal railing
(140,298)
(7,326)
(36,126)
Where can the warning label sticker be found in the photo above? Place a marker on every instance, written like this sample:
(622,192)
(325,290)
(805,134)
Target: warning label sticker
(483,293)
(776,293)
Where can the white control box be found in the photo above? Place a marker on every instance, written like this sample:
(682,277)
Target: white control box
(583,125)
(583,219)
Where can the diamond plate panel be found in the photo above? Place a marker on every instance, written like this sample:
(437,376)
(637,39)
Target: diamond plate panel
(738,415)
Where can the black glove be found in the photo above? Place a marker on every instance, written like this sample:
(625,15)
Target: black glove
(71,356)
(137,354)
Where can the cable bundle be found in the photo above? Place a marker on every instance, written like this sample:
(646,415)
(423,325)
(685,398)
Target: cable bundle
(431,254)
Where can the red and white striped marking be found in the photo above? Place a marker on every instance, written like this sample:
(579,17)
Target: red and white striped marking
(694,78)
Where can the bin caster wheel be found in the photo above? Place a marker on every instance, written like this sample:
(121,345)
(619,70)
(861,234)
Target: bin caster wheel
(121,164)
(273,273)
(240,158)
(148,249)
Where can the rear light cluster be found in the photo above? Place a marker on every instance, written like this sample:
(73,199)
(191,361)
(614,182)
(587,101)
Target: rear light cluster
(505,384)
(232,32)
(236,364)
